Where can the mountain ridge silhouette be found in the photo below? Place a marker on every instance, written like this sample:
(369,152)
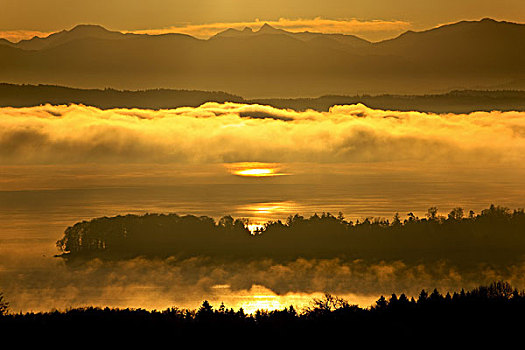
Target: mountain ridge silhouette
(273,62)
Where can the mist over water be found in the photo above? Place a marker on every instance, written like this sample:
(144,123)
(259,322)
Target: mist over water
(32,220)
(370,174)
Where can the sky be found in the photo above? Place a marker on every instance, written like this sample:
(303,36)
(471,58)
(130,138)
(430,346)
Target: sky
(371,19)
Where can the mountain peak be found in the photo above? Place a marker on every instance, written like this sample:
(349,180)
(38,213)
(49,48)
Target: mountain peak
(266,28)
(247,31)
(78,32)
(88,28)
(488,19)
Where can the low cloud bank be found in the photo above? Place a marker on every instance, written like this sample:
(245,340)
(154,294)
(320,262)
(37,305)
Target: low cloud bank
(374,29)
(15,36)
(224,133)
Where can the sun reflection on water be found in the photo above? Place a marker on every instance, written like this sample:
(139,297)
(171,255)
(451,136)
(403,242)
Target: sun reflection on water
(254,228)
(259,213)
(262,298)
(255,169)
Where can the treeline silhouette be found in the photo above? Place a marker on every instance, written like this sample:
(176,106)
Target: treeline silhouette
(495,310)
(494,236)
(12,95)
(458,101)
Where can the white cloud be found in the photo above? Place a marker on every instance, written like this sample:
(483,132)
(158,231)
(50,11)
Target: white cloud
(218,133)
(318,24)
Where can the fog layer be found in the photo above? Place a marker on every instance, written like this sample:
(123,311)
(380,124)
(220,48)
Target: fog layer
(217,133)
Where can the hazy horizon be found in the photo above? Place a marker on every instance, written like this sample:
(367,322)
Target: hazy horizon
(282,63)
(368,17)
(208,31)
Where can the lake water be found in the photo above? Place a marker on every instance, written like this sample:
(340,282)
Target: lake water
(38,202)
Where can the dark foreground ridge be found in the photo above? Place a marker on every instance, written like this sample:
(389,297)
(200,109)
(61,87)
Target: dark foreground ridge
(459,101)
(494,237)
(487,312)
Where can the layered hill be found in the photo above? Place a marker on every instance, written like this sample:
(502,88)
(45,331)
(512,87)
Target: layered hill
(272,62)
(464,101)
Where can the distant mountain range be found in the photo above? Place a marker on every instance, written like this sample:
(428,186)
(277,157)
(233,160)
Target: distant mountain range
(452,102)
(273,62)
